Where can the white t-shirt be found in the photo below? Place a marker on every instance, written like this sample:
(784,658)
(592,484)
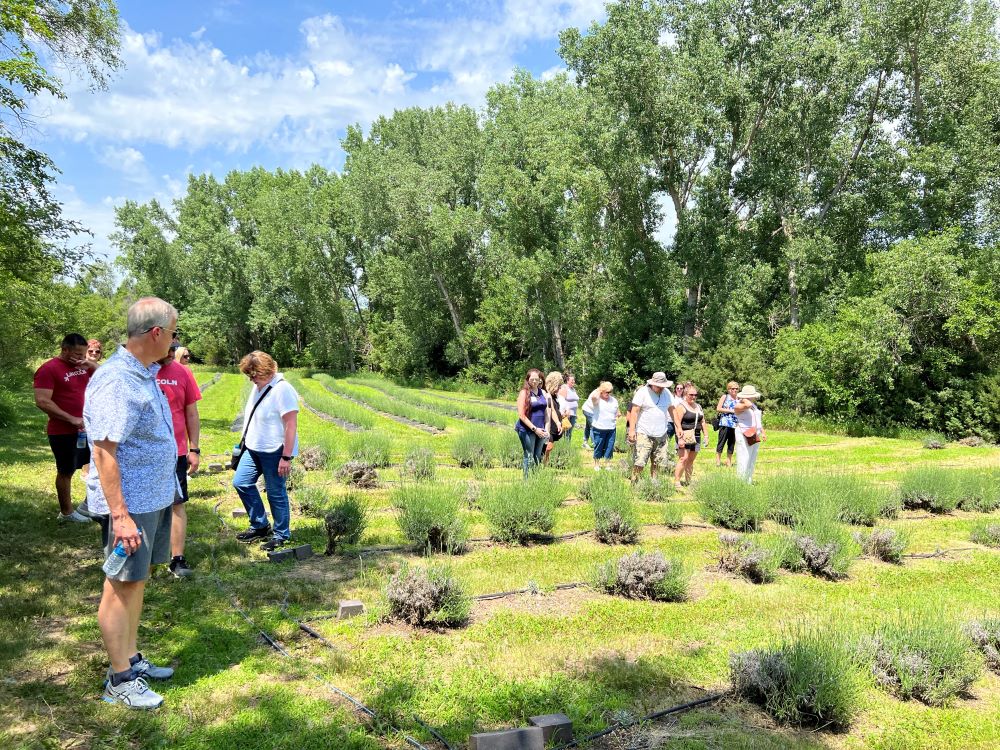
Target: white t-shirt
(750,418)
(266,433)
(605,413)
(654,411)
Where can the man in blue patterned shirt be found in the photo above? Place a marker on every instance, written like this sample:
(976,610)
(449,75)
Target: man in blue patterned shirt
(133,480)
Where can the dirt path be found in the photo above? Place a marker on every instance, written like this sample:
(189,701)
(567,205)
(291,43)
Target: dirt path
(349,426)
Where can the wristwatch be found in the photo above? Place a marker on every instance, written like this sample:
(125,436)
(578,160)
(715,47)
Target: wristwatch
(195,450)
(287,458)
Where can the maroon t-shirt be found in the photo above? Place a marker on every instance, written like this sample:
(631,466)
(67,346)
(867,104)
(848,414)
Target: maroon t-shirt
(68,384)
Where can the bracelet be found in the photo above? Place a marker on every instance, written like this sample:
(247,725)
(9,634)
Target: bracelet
(287,458)
(196,451)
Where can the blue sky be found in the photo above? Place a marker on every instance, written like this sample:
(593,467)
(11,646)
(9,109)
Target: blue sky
(218,85)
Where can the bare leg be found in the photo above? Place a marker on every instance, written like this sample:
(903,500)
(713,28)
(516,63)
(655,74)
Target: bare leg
(178,529)
(64,491)
(118,618)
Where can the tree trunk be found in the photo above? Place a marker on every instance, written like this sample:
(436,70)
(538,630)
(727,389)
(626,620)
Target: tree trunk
(691,294)
(454,315)
(348,348)
(557,345)
(793,293)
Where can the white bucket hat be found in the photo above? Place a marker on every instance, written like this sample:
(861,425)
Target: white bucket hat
(660,379)
(748,392)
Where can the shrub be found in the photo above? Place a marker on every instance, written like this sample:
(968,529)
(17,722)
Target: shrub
(787,495)
(645,576)
(861,503)
(808,680)
(516,511)
(473,449)
(652,490)
(821,547)
(887,545)
(428,596)
(8,407)
(419,464)
(729,502)
(929,488)
(429,517)
(935,441)
(987,534)
(313,458)
(746,557)
(673,516)
(979,491)
(564,456)
(295,478)
(345,523)
(371,448)
(359,474)
(985,634)
(922,656)
(507,449)
(792,497)
(313,501)
(615,517)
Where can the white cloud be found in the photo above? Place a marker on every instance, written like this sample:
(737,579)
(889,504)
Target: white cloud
(128,161)
(198,33)
(189,94)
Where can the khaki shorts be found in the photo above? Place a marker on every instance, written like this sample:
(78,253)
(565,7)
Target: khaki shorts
(155,547)
(646,447)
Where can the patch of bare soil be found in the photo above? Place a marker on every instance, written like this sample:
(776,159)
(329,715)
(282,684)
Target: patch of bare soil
(564,603)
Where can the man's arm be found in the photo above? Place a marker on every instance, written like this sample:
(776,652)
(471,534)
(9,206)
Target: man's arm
(193,421)
(630,422)
(43,400)
(105,458)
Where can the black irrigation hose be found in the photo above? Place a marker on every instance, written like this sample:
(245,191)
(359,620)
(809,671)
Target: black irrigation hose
(330,686)
(618,726)
(503,594)
(940,552)
(434,733)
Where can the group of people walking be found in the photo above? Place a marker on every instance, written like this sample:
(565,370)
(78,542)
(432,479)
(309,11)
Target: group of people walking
(658,411)
(132,425)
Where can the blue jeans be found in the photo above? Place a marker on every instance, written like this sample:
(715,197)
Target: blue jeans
(587,427)
(572,423)
(533,446)
(252,465)
(604,443)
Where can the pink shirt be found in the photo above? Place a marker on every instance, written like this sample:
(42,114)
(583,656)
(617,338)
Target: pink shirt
(178,385)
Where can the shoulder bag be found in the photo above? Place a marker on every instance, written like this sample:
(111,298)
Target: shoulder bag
(234,461)
(750,433)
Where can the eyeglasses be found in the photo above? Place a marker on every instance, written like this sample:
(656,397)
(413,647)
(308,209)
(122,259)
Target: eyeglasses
(734,389)
(174,333)
(185,356)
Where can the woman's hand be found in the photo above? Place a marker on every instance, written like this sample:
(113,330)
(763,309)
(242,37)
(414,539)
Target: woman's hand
(284,468)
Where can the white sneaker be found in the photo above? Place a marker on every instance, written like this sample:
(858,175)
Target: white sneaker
(597,468)
(74,517)
(134,693)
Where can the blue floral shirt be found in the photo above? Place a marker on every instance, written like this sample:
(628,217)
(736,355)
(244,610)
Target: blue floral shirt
(124,405)
(728,420)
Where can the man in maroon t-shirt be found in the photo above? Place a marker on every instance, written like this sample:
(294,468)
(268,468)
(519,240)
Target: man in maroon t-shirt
(183,394)
(60,385)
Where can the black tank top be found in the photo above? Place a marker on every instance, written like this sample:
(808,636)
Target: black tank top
(692,420)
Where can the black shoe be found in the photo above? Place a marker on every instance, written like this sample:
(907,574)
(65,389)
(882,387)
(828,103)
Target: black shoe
(180,568)
(250,534)
(274,543)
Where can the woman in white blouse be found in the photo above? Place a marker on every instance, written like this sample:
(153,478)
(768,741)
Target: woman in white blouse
(604,408)
(749,432)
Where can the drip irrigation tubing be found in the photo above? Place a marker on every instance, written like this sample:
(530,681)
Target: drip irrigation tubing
(939,553)
(504,594)
(618,726)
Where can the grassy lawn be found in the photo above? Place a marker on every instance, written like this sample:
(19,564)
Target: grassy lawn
(595,657)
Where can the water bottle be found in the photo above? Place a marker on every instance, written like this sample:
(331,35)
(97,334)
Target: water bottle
(81,440)
(116,560)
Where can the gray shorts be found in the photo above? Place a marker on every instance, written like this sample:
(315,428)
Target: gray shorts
(155,547)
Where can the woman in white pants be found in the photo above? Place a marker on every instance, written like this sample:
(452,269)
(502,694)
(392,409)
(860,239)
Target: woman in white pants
(749,418)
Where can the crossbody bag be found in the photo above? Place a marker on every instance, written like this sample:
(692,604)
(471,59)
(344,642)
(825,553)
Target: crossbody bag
(238,449)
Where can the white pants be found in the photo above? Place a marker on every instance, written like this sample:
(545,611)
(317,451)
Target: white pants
(746,456)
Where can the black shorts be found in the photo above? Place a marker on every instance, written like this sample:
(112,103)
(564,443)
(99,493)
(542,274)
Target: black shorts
(69,458)
(182,477)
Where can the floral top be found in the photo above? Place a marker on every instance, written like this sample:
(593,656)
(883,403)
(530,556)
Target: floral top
(728,420)
(124,405)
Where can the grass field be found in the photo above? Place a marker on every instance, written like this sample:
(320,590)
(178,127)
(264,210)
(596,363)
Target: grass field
(596,657)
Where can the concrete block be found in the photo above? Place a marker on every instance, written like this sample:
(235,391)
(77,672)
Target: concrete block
(526,738)
(215,468)
(556,728)
(280,555)
(303,551)
(239,513)
(350,608)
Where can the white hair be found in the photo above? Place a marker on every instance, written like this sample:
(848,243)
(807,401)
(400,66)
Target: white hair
(147,313)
